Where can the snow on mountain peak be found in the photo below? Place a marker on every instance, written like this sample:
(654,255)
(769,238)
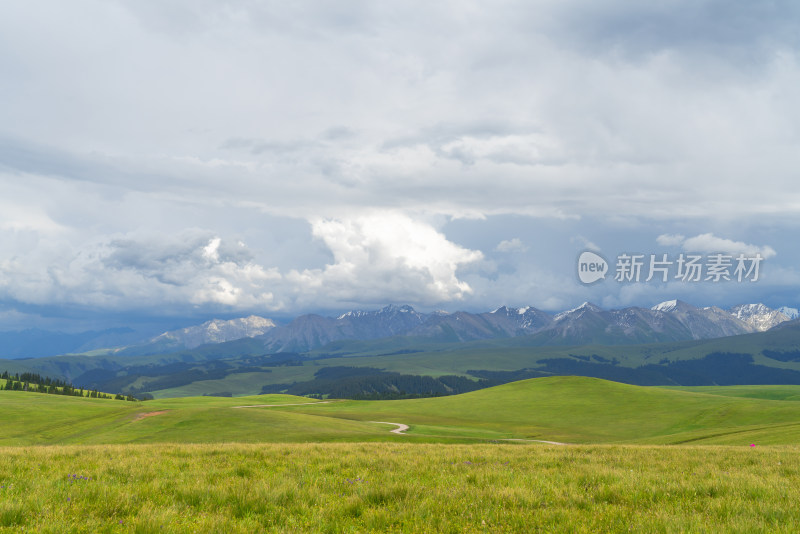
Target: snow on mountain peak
(584,306)
(666,306)
(744,310)
(218,331)
(391,308)
(758,316)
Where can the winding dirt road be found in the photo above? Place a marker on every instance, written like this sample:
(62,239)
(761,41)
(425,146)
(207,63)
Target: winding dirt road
(537,441)
(278,405)
(401,428)
(141,416)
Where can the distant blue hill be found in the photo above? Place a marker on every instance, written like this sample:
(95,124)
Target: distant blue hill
(35,343)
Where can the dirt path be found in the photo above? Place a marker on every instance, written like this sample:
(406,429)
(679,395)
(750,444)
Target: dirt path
(536,441)
(401,428)
(278,405)
(141,416)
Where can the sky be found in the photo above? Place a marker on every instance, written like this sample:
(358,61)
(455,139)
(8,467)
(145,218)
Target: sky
(186,159)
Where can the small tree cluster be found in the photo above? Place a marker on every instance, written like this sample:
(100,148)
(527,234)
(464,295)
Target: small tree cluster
(38,384)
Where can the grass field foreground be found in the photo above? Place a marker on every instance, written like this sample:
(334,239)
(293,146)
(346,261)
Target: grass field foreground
(398,487)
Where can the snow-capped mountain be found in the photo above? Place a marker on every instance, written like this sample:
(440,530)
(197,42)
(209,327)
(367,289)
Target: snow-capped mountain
(525,320)
(703,323)
(588,323)
(213,331)
(388,321)
(502,322)
(666,306)
(760,317)
(578,312)
(672,320)
(791,313)
(311,331)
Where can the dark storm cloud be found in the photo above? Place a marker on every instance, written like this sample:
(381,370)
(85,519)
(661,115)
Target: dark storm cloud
(736,31)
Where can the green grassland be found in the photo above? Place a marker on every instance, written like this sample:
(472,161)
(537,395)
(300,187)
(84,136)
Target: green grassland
(789,392)
(563,409)
(586,410)
(468,463)
(34,419)
(398,487)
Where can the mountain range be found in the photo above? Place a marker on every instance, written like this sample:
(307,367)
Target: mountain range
(672,320)
(210,332)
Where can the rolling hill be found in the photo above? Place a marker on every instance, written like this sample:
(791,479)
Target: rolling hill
(563,409)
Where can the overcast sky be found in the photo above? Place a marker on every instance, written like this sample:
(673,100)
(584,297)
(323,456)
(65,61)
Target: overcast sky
(200,158)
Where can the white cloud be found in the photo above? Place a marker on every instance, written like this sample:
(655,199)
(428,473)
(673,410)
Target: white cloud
(511,245)
(211,251)
(556,109)
(114,134)
(585,242)
(527,149)
(386,256)
(138,271)
(670,240)
(710,244)
(377,257)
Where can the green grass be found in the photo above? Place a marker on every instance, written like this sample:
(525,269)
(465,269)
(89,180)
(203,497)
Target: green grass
(564,409)
(584,410)
(752,392)
(398,488)
(34,418)
(204,464)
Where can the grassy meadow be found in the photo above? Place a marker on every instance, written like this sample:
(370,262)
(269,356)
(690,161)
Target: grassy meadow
(574,410)
(646,459)
(397,487)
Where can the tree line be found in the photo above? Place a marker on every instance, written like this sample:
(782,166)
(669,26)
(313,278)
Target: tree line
(36,383)
(367,383)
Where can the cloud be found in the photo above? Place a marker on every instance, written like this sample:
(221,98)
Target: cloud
(711,244)
(377,257)
(137,272)
(585,242)
(386,256)
(511,245)
(670,240)
(337,140)
(739,32)
(508,105)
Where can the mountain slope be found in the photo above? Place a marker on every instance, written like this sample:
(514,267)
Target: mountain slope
(213,331)
(703,323)
(34,343)
(502,322)
(403,327)
(758,316)
(669,321)
(312,331)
